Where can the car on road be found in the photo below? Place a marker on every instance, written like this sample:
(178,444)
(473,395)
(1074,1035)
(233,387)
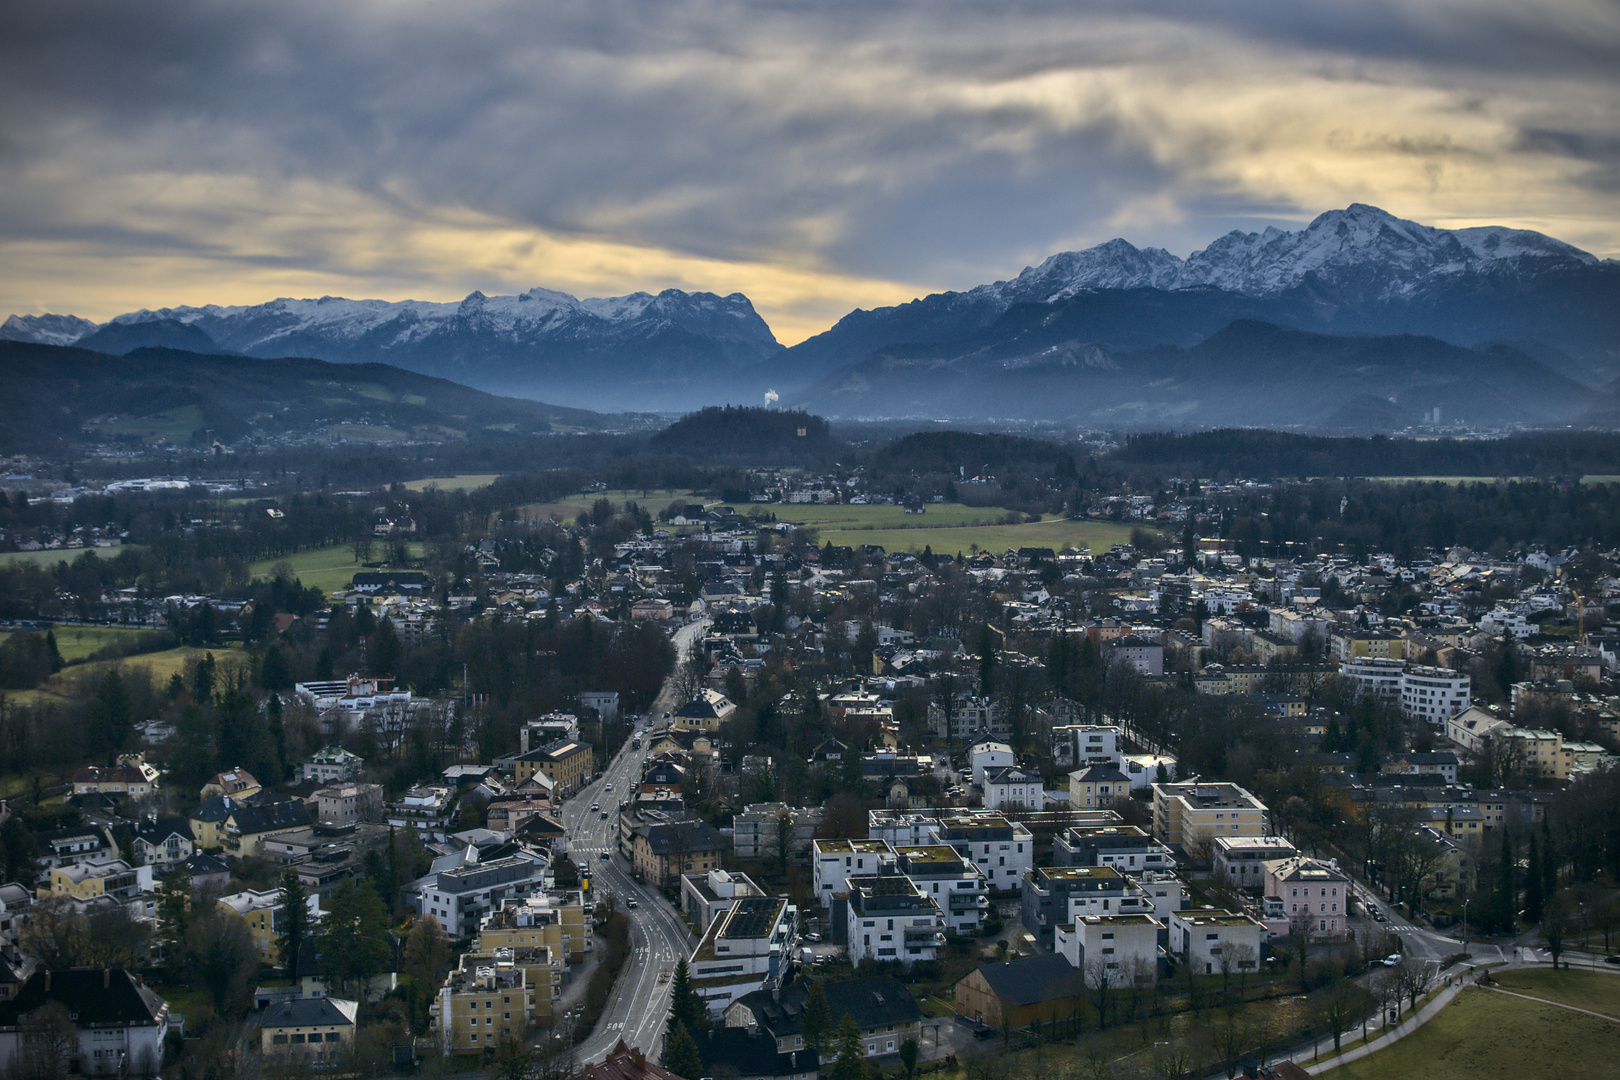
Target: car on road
(604,815)
(812,937)
(1611,959)
(596,806)
(603,856)
(1379,915)
(610,787)
(631,902)
(1392,960)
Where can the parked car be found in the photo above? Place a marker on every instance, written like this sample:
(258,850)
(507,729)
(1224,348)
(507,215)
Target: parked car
(1611,959)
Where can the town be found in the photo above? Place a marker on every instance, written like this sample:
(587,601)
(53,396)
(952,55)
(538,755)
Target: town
(547,778)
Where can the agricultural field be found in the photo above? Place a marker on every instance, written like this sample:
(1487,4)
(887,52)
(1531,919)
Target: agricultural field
(459,482)
(78,642)
(1484,1035)
(366,433)
(1056,533)
(570,508)
(175,425)
(327,568)
(51,558)
(78,682)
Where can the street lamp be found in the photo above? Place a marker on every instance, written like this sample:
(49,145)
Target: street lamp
(1465,923)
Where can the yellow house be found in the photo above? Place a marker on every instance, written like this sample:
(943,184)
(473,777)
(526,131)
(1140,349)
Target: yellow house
(1351,644)
(88,881)
(481,1006)
(317,1028)
(132,777)
(568,765)
(262,912)
(1097,787)
(236,783)
(705,712)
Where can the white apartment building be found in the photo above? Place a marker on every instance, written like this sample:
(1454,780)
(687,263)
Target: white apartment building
(1435,694)
(889,919)
(987,755)
(952,882)
(1124,948)
(747,947)
(1377,676)
(1074,745)
(834,862)
(1012,788)
(1207,939)
(1003,850)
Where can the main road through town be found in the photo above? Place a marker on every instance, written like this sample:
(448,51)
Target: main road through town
(658,935)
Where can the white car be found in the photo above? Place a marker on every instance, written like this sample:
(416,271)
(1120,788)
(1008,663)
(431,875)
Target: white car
(1392,960)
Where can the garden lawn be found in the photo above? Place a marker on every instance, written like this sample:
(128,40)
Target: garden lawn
(1057,534)
(1592,990)
(79,682)
(327,569)
(1488,1036)
(459,482)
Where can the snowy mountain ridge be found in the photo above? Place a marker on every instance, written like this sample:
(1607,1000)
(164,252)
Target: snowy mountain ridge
(1350,246)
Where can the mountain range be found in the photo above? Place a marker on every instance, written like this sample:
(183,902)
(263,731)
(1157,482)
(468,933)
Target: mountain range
(1386,320)
(59,395)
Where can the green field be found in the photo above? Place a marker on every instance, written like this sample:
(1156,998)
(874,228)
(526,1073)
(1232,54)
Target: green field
(366,433)
(176,425)
(1582,989)
(80,680)
(1443,479)
(1489,1036)
(78,642)
(51,558)
(327,569)
(845,517)
(460,482)
(1057,534)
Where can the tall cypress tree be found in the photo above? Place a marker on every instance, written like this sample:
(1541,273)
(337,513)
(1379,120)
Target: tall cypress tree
(1506,894)
(1532,882)
(293,901)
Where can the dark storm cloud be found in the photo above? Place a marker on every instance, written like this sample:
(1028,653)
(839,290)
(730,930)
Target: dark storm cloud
(874,139)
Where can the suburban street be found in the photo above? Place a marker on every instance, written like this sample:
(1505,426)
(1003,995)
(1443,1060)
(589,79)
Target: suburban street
(658,936)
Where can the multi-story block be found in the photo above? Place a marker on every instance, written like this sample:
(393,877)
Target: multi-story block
(746,948)
(707,896)
(482,1005)
(1190,815)
(1211,941)
(458,898)
(1011,788)
(834,862)
(889,919)
(348,804)
(662,853)
(1057,895)
(568,765)
(333,764)
(558,919)
(954,883)
(1241,860)
(1074,745)
(1097,787)
(1004,850)
(1126,848)
(1124,949)
(1313,895)
(759,831)
(1435,694)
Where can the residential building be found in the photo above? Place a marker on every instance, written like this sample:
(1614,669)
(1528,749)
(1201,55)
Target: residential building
(131,778)
(546,730)
(63,847)
(568,765)
(1211,941)
(1143,654)
(1011,788)
(266,917)
(1004,850)
(425,808)
(162,843)
(481,1006)
(1241,860)
(348,803)
(1054,896)
(1473,727)
(558,919)
(1435,694)
(1097,787)
(1191,814)
(1076,745)
(626,1063)
(1014,994)
(318,1029)
(968,717)
(758,832)
(747,947)
(706,711)
(889,919)
(1357,644)
(882,1008)
(247,827)
(1127,848)
(986,755)
(1379,678)
(1314,896)
(706,896)
(1124,949)
(751,1054)
(1144,770)
(119,1025)
(237,784)
(954,883)
(834,862)
(332,764)
(662,853)
(87,881)
(460,896)
(1441,763)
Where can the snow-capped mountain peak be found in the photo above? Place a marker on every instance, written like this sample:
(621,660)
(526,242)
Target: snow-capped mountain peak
(46,329)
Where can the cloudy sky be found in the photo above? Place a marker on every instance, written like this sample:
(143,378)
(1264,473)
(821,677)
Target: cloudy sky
(817,156)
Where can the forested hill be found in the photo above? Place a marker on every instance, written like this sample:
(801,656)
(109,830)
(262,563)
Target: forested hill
(1264,455)
(969,454)
(753,434)
(60,395)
